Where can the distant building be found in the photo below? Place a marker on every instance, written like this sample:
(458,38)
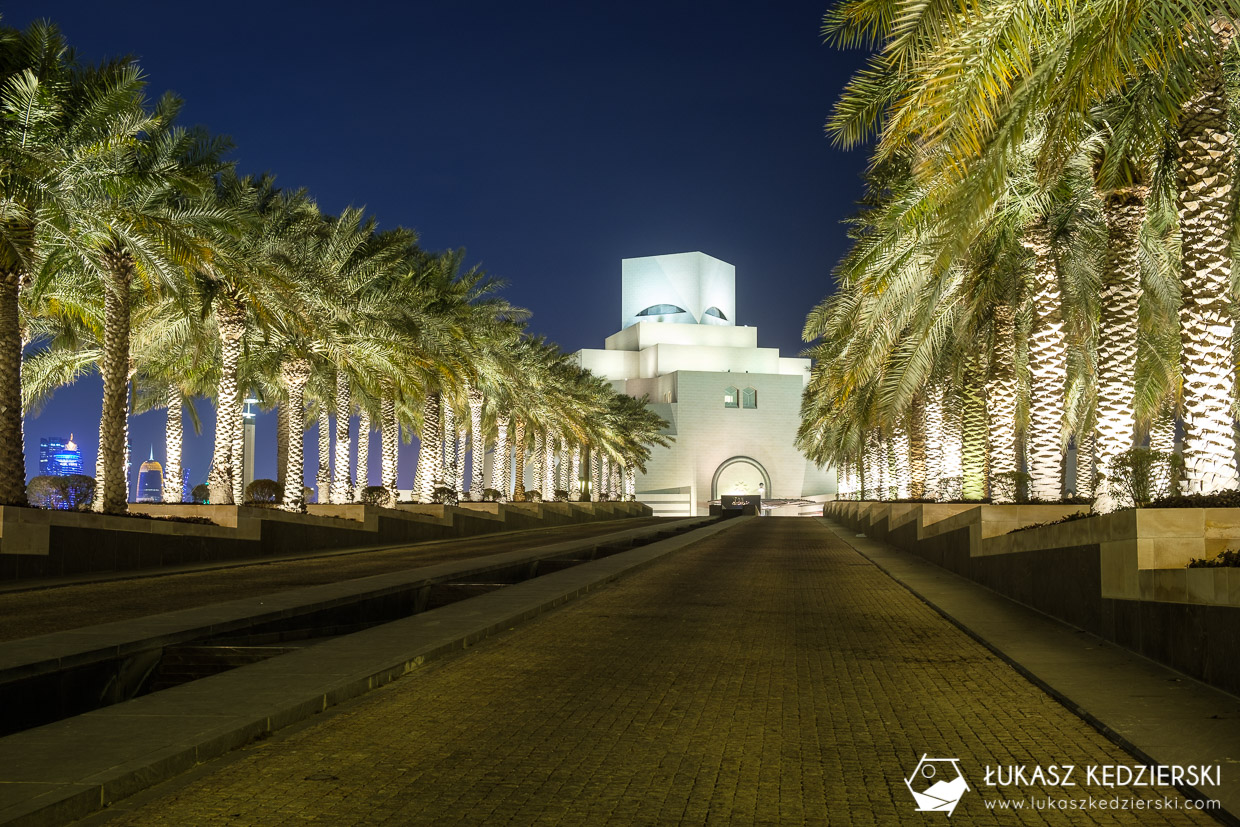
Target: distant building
(58,458)
(732,407)
(185,486)
(151,481)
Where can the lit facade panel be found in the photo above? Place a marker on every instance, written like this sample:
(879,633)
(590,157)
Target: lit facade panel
(689,282)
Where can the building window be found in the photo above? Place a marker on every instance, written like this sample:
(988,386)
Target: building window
(716,312)
(661,310)
(749,398)
(730,399)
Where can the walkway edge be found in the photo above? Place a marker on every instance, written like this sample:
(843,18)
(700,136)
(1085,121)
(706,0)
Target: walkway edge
(69,769)
(1158,715)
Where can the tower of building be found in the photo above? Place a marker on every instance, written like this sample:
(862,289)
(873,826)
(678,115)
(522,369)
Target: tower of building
(151,481)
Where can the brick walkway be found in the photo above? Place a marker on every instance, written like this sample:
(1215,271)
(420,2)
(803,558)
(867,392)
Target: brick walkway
(42,611)
(770,675)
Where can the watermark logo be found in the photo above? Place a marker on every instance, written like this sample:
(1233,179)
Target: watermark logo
(937,784)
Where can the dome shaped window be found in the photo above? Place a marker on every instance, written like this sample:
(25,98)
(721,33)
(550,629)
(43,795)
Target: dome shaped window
(716,312)
(662,310)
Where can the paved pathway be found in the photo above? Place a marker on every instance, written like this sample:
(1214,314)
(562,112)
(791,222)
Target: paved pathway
(42,611)
(770,675)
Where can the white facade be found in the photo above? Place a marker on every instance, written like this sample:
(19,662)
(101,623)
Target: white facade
(733,408)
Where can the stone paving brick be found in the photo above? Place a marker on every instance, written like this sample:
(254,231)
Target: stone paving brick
(42,611)
(769,675)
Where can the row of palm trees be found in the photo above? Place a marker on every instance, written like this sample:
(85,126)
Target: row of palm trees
(129,245)
(1043,264)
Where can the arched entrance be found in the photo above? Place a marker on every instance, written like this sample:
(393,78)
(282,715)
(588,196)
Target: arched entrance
(739,475)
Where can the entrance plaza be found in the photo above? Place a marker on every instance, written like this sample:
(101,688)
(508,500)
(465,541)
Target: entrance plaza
(766,671)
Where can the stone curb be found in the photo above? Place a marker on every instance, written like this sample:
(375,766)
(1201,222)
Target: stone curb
(69,769)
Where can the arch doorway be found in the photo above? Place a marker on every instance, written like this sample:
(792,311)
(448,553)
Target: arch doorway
(740,475)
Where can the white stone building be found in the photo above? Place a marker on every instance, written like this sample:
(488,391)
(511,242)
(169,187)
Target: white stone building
(732,407)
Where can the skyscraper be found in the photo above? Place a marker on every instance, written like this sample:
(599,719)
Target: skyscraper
(151,481)
(58,458)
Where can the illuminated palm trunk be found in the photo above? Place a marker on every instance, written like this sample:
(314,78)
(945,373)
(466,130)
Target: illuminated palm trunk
(1085,477)
(391,448)
(1117,338)
(594,475)
(363,452)
(342,482)
(548,481)
(174,437)
(238,458)
(281,444)
(225,466)
(1162,440)
(1001,392)
(518,459)
(917,448)
(12,451)
(630,482)
(882,467)
(295,374)
(973,431)
(605,477)
(934,446)
(323,478)
(900,478)
(953,450)
(447,448)
(430,448)
(1207,155)
(477,444)
(500,466)
(574,475)
(1048,369)
(458,463)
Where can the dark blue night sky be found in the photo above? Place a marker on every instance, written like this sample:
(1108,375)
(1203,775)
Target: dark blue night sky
(550,140)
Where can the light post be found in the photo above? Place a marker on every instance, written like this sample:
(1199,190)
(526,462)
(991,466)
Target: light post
(247,462)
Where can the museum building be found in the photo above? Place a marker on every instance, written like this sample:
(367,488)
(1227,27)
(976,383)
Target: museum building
(733,407)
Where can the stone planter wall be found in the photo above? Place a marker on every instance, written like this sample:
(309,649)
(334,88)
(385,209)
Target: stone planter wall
(37,543)
(1121,576)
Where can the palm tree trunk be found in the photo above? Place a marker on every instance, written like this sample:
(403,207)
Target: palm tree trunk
(548,468)
(323,477)
(536,462)
(500,466)
(595,475)
(518,458)
(231,322)
(238,458)
(391,449)
(477,444)
(447,453)
(1001,397)
(342,483)
(605,476)
(458,462)
(430,454)
(363,452)
(115,370)
(900,476)
(174,435)
(295,373)
(281,444)
(1085,476)
(973,431)
(934,446)
(1162,440)
(630,482)
(917,448)
(1117,337)
(1048,368)
(1207,157)
(12,453)
(574,475)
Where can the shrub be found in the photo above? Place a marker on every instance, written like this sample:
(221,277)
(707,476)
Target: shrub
(443,495)
(1142,475)
(72,492)
(1010,486)
(533,495)
(1219,499)
(375,495)
(264,492)
(561,496)
(200,494)
(491,495)
(1228,559)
